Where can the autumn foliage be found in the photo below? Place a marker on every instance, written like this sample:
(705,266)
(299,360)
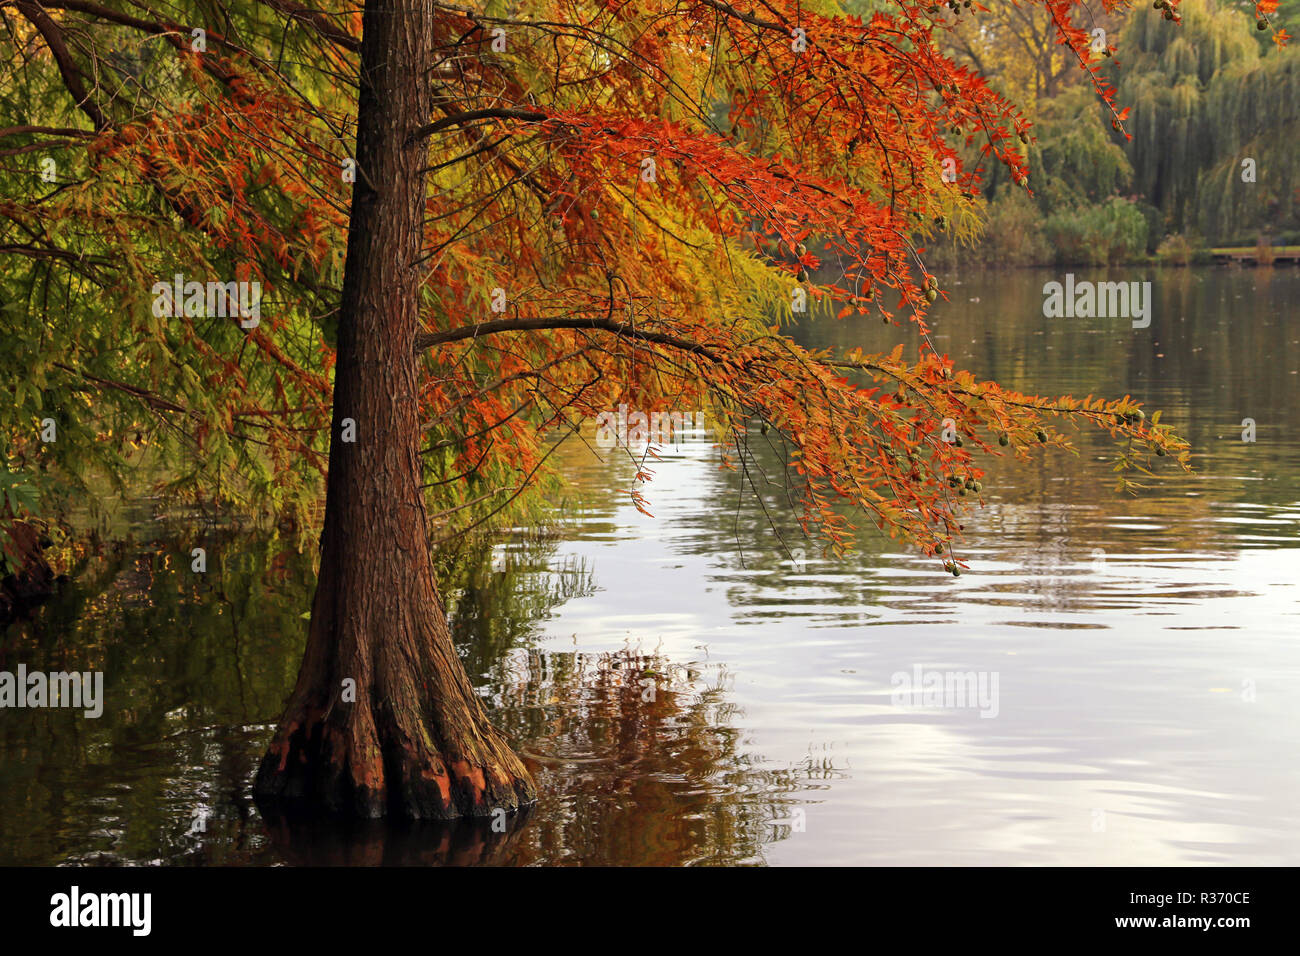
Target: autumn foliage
(648,185)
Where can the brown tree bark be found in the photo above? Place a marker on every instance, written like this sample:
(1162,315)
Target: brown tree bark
(416,742)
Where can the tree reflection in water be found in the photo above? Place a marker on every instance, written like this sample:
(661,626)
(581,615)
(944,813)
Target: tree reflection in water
(639,758)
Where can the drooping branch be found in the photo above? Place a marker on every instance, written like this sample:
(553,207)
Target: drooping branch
(317,21)
(152,399)
(53,37)
(175,34)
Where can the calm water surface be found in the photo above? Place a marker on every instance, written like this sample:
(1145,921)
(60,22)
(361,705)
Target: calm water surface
(686,693)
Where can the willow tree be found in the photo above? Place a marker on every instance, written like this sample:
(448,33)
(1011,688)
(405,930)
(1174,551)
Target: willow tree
(1176,128)
(1250,177)
(474,231)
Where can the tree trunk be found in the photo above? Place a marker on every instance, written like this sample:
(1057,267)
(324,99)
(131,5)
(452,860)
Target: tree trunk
(29,580)
(413,740)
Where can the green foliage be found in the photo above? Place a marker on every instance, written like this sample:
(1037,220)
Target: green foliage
(1018,234)
(1100,234)
(1014,235)
(17,495)
(1202,99)
(1203,96)
(1070,218)
(1074,158)
(83,345)
(1211,36)
(1256,110)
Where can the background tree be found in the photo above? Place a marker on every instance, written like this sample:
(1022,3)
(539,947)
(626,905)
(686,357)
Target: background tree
(1016,48)
(1252,113)
(554,212)
(1205,92)
(1203,99)
(1163,79)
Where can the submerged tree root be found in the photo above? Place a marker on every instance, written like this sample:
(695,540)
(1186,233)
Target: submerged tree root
(349,767)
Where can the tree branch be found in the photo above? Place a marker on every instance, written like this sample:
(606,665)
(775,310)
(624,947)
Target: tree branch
(317,21)
(427,340)
(469,116)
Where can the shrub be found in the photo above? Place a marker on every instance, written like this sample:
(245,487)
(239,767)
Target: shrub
(1110,232)
(1178,250)
(1014,234)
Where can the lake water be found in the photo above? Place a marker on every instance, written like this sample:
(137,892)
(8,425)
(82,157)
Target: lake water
(687,693)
